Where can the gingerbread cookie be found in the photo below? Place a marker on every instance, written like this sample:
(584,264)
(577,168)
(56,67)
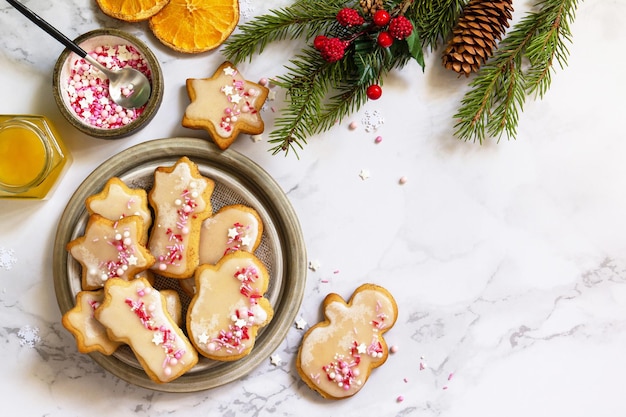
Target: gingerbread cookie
(181,199)
(225,105)
(110,249)
(228,308)
(173,305)
(232,228)
(90,334)
(135,313)
(337,355)
(117,200)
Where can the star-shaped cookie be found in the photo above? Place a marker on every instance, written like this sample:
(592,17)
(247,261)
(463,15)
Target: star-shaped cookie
(225,105)
(110,249)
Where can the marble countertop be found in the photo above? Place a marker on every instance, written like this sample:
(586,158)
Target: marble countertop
(507,260)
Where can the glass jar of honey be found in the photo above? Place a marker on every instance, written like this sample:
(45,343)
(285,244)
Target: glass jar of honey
(32,157)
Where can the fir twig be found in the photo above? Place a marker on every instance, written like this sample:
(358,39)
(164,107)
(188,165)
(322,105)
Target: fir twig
(550,44)
(435,19)
(498,92)
(303,19)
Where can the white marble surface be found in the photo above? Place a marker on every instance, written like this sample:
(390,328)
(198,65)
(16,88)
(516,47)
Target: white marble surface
(507,260)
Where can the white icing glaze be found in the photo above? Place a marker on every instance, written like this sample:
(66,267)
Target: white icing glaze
(119,203)
(232,99)
(228,307)
(336,358)
(229,230)
(180,209)
(173,305)
(135,313)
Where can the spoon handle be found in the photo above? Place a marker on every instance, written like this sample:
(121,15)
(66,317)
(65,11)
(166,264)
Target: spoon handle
(48,28)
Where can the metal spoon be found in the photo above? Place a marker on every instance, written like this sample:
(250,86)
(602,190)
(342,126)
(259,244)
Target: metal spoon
(126,78)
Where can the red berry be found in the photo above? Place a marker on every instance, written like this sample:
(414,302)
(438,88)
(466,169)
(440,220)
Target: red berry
(349,17)
(319,41)
(374,92)
(384,40)
(400,27)
(332,49)
(381,17)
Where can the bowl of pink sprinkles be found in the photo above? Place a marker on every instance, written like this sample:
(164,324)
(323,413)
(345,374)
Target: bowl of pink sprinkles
(82,92)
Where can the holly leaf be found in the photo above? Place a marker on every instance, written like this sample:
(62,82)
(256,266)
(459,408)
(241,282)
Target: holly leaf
(415,46)
(363,59)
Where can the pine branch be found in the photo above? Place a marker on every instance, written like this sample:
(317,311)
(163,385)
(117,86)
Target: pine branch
(310,80)
(303,19)
(498,92)
(435,19)
(550,44)
(306,83)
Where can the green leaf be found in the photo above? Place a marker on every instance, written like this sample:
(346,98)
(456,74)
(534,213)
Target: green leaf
(415,47)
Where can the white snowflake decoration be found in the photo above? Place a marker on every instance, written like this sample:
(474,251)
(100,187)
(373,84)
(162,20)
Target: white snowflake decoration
(7,258)
(372,121)
(29,336)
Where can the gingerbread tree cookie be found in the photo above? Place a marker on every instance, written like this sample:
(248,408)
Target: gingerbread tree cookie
(117,200)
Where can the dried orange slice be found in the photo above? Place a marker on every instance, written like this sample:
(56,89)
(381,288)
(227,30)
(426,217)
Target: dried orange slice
(131,10)
(194,26)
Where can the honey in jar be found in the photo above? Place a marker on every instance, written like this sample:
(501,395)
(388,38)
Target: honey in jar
(32,157)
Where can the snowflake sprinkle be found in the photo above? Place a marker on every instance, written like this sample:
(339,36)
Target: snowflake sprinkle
(29,336)
(372,121)
(7,258)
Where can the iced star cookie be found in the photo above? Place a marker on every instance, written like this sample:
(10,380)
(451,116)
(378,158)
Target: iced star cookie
(337,355)
(232,228)
(181,199)
(117,200)
(228,307)
(90,334)
(225,105)
(110,249)
(135,313)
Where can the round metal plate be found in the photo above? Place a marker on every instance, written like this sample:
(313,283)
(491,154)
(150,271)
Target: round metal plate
(238,180)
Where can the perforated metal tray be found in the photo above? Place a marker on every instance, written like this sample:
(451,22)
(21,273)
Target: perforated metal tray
(237,180)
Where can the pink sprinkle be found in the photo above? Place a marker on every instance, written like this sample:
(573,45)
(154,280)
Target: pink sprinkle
(400,398)
(450,376)
(406,380)
(403,180)
(422,366)
(393,349)
(324,281)
(263,81)
(353,125)
(336,271)
(445,387)
(378,139)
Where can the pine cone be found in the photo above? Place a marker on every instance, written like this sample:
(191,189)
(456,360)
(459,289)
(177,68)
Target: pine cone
(370,6)
(475,35)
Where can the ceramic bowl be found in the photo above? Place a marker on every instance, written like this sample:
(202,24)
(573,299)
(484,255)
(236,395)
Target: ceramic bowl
(128,48)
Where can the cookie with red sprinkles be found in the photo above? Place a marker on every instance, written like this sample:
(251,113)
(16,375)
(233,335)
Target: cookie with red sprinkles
(337,355)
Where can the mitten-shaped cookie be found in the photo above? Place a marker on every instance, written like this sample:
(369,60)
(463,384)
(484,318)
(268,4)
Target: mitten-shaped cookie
(338,354)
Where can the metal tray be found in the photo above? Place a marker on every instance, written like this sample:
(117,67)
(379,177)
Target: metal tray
(237,180)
